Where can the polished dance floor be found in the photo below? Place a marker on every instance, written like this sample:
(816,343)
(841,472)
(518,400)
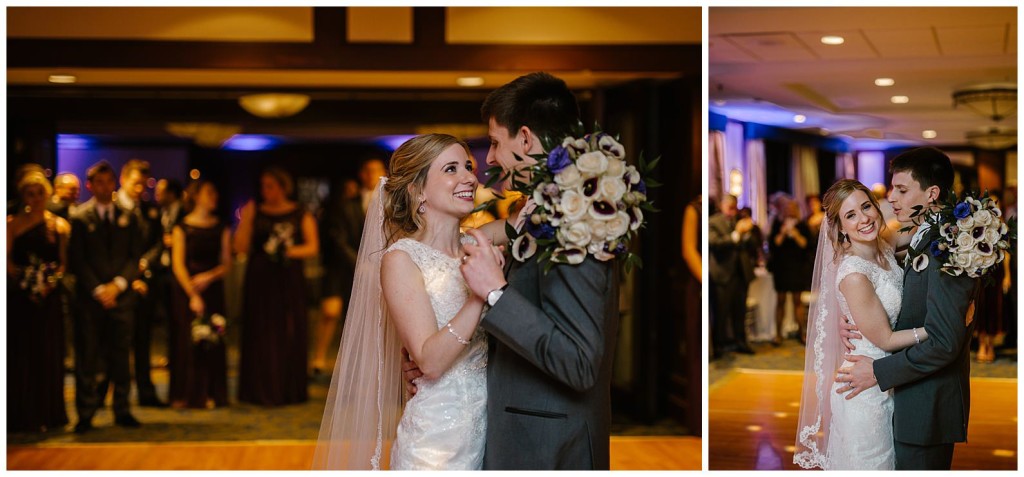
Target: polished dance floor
(752,419)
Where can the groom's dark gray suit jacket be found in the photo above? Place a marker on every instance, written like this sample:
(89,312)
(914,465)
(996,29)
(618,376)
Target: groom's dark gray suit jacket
(932,397)
(549,366)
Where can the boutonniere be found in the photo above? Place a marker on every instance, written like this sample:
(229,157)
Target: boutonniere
(122,221)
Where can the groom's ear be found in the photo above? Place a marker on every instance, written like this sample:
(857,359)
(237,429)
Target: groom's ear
(526,139)
(933,193)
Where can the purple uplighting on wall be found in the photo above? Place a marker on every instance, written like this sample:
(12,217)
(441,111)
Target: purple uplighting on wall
(871,167)
(251,142)
(392,142)
(76,154)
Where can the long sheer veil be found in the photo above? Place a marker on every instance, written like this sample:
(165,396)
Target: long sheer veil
(365,398)
(822,358)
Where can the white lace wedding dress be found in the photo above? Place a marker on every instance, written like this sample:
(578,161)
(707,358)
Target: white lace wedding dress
(861,428)
(443,426)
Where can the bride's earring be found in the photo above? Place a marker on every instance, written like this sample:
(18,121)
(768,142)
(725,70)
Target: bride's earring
(421,209)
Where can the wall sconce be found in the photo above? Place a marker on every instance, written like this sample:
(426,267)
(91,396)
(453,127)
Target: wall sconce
(735,183)
(274,105)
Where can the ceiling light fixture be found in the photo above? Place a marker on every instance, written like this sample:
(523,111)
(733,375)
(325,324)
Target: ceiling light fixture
(274,105)
(900,99)
(929,134)
(833,40)
(469,81)
(994,138)
(884,81)
(63,79)
(799,119)
(995,101)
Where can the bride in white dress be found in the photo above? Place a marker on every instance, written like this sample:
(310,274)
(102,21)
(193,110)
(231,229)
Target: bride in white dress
(409,291)
(854,264)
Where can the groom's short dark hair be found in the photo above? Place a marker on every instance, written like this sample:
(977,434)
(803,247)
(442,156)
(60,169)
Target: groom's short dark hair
(928,166)
(538,101)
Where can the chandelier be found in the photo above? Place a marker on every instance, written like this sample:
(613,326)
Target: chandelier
(210,135)
(994,138)
(995,101)
(274,105)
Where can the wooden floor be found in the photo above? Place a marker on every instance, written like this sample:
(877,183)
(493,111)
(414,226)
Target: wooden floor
(627,453)
(752,420)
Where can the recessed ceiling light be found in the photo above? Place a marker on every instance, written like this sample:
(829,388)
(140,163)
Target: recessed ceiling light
(719,102)
(799,118)
(900,99)
(833,40)
(884,81)
(62,79)
(929,134)
(469,81)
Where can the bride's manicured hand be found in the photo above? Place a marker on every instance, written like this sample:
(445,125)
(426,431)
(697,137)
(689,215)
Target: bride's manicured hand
(848,331)
(857,378)
(482,265)
(410,371)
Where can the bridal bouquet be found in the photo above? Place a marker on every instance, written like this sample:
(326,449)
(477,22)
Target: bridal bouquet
(39,278)
(281,237)
(587,199)
(208,329)
(973,237)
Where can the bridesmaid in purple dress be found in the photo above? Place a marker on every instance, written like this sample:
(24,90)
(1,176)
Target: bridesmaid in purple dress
(36,256)
(277,235)
(200,256)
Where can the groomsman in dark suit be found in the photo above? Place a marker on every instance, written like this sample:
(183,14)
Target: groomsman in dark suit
(66,189)
(146,214)
(104,257)
(168,195)
(732,243)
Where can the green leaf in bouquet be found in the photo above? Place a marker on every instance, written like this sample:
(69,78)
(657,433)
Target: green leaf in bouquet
(649,207)
(483,206)
(545,242)
(651,165)
(651,183)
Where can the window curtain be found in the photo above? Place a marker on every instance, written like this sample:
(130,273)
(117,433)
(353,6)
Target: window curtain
(757,182)
(734,161)
(717,178)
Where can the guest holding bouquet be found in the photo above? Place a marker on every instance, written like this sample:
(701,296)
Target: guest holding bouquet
(37,242)
(200,256)
(277,235)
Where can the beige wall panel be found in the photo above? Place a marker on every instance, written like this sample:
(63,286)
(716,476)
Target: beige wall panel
(380,24)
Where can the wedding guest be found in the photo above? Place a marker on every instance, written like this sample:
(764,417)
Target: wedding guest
(341,228)
(201,250)
(790,261)
(37,243)
(815,215)
(988,313)
(14,204)
(66,190)
(730,242)
(104,256)
(276,234)
(168,196)
(134,175)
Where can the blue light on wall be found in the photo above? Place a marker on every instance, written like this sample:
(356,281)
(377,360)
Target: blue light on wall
(251,142)
(75,141)
(392,142)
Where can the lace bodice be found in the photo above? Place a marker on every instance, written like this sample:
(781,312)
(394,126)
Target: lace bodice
(443,426)
(888,285)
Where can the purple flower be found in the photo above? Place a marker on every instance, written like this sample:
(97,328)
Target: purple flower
(937,249)
(542,231)
(962,210)
(558,160)
(641,187)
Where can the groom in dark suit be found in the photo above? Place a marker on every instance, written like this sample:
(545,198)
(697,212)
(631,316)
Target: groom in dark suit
(552,335)
(104,257)
(931,380)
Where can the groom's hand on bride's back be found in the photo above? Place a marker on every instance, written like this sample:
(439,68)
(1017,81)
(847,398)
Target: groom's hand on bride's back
(410,371)
(848,331)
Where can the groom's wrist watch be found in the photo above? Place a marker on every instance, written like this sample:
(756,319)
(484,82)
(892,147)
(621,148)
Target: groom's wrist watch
(495,294)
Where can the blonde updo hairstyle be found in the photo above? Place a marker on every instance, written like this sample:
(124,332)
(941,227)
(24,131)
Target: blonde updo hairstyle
(833,200)
(32,178)
(407,176)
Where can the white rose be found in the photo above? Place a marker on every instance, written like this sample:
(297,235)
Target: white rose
(1003,228)
(573,205)
(611,147)
(975,203)
(986,261)
(965,240)
(576,234)
(965,223)
(616,167)
(618,225)
(598,228)
(612,188)
(992,235)
(570,255)
(592,164)
(963,260)
(982,217)
(569,177)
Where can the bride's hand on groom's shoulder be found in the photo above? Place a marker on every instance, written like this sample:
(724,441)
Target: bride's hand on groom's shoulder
(848,331)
